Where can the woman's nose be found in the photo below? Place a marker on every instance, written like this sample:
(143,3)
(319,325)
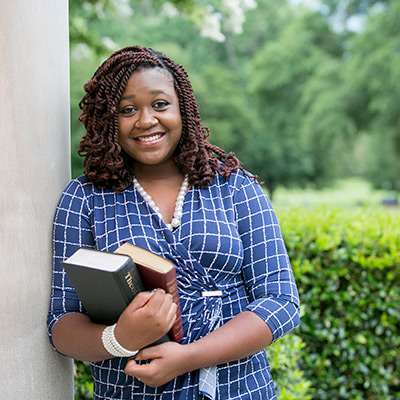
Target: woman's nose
(145,119)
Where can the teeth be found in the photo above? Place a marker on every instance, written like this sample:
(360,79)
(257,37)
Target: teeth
(149,138)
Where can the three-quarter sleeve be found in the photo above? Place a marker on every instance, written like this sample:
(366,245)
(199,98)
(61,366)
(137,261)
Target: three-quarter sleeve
(266,267)
(71,230)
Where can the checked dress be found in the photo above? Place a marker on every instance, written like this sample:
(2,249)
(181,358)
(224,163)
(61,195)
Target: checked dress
(229,240)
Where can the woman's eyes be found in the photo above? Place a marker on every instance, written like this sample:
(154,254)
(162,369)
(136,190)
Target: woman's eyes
(128,111)
(158,105)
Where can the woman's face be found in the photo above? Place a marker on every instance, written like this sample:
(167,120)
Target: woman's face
(150,124)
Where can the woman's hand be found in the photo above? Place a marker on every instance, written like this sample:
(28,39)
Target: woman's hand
(167,361)
(147,318)
(242,336)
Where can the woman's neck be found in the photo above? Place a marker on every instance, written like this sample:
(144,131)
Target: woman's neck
(157,172)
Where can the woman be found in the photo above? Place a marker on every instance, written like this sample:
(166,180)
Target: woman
(152,178)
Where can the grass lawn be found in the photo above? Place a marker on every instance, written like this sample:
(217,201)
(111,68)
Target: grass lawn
(346,193)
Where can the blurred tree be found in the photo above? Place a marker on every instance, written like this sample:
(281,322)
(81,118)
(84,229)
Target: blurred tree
(224,105)
(295,80)
(210,16)
(83,14)
(373,79)
(287,95)
(352,7)
(382,162)
(325,127)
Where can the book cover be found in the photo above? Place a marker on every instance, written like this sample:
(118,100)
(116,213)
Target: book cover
(105,282)
(156,272)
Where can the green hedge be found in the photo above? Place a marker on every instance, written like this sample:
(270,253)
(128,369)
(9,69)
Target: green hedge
(284,356)
(83,381)
(347,268)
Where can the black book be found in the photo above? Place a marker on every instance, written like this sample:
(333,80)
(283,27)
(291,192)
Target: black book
(105,282)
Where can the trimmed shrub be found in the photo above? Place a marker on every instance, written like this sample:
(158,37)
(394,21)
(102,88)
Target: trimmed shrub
(347,268)
(289,380)
(83,381)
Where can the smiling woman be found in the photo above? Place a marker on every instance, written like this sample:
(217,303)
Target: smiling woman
(150,124)
(153,179)
(110,167)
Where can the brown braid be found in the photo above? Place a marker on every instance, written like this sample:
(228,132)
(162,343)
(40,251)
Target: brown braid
(105,163)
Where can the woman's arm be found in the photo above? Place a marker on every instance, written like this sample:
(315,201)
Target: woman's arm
(148,318)
(266,268)
(71,332)
(242,336)
(76,336)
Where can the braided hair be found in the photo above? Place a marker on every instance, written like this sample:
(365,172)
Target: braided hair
(105,163)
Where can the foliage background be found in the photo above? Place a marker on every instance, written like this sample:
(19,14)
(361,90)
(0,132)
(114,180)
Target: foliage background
(347,267)
(299,96)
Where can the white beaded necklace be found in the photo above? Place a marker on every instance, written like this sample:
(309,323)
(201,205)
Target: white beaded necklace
(176,219)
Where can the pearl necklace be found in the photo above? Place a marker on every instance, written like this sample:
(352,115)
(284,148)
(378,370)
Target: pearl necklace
(176,219)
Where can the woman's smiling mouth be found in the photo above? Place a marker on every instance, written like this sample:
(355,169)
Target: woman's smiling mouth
(150,138)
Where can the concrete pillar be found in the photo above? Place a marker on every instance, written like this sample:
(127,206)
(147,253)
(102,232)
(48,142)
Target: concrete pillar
(34,168)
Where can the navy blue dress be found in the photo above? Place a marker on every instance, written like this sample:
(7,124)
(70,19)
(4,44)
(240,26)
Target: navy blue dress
(229,240)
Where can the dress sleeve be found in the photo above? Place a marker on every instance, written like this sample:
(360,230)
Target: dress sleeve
(71,230)
(266,267)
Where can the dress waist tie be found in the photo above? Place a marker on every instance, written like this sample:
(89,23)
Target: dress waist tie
(208,375)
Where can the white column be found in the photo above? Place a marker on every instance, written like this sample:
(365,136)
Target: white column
(34,168)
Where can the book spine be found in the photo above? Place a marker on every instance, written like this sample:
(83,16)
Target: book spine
(129,281)
(172,288)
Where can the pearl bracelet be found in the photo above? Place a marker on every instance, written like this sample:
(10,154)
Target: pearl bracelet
(111,344)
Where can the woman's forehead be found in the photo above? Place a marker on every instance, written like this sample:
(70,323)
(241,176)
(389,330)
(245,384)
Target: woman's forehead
(150,81)
(164,71)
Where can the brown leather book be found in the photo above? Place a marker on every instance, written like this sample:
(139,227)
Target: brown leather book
(156,272)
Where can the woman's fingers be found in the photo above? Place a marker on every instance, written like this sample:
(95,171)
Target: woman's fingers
(147,318)
(166,361)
